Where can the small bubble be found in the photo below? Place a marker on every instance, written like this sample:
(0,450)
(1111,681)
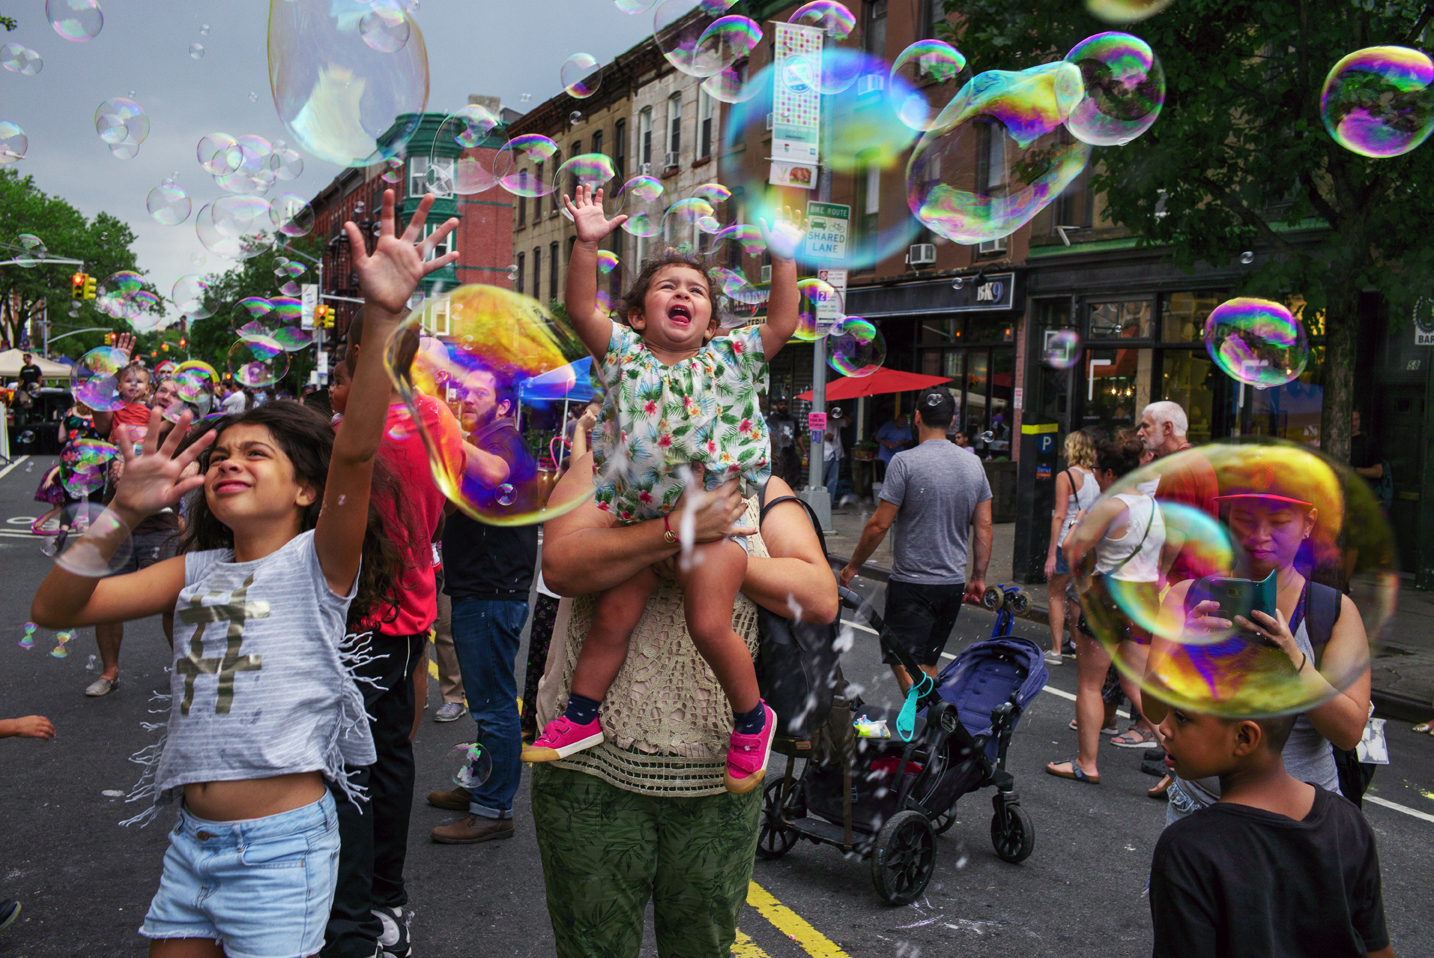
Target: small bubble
(525,98)
(196,52)
(575,117)
(90,664)
(253,97)
(341,499)
(197,259)
(204,30)
(506,494)
(958,282)
(1247,257)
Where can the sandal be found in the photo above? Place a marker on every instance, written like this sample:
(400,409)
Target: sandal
(1425,728)
(1076,773)
(1108,730)
(1133,737)
(1160,788)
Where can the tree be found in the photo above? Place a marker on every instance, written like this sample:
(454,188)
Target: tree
(1239,155)
(44,289)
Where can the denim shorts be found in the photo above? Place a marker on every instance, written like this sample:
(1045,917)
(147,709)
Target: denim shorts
(262,887)
(1061,567)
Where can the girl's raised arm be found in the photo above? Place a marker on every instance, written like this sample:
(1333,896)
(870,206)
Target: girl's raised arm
(783,237)
(388,278)
(594,328)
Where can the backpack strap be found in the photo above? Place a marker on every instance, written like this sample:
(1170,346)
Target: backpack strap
(765,507)
(1322,608)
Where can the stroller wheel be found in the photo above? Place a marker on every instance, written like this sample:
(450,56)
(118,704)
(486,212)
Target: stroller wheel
(903,858)
(993,598)
(774,839)
(1012,833)
(1021,603)
(942,823)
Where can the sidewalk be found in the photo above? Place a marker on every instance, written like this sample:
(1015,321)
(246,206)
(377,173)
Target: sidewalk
(1403,663)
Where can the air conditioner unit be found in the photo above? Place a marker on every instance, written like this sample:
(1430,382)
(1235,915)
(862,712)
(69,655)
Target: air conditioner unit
(645,169)
(669,161)
(921,254)
(992,246)
(766,274)
(771,119)
(871,83)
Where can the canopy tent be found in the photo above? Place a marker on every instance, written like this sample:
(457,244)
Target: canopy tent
(571,383)
(11,361)
(878,383)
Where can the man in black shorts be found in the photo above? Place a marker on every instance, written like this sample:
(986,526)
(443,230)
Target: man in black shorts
(934,494)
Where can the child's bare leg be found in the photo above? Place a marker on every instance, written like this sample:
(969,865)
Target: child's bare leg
(605,646)
(710,587)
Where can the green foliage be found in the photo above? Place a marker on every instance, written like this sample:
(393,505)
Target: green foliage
(103,243)
(1240,159)
(9,23)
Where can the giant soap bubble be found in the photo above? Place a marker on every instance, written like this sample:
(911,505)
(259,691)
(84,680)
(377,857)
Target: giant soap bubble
(1256,342)
(1379,101)
(499,345)
(1282,515)
(338,94)
(1124,89)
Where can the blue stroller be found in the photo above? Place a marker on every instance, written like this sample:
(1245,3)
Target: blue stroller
(886,800)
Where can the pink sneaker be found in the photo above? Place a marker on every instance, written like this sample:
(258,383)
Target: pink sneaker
(562,738)
(747,756)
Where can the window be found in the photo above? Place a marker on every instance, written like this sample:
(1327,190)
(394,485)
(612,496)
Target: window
(644,138)
(424,172)
(869,203)
(876,28)
(990,157)
(537,271)
(597,142)
(442,247)
(537,204)
(619,150)
(934,18)
(1076,204)
(522,204)
(552,271)
(1183,316)
(1132,319)
(674,125)
(704,124)
(417,175)
(522,261)
(572,177)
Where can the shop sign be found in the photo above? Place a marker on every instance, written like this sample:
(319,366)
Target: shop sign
(1424,322)
(997,291)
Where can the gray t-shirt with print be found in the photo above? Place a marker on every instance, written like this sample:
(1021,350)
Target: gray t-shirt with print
(936,487)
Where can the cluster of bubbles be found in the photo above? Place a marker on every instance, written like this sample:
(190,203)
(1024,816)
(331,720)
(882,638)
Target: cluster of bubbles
(242,227)
(1379,101)
(122,296)
(75,20)
(123,125)
(1280,509)
(18,58)
(1257,342)
(247,164)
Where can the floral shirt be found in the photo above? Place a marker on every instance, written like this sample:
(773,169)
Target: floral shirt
(656,418)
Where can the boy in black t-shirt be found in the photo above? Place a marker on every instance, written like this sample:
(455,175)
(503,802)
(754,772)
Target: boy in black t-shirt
(1277,868)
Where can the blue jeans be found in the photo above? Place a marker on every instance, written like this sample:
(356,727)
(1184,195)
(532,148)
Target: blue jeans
(485,636)
(831,475)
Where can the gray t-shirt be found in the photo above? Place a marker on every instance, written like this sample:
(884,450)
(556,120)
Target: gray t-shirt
(936,487)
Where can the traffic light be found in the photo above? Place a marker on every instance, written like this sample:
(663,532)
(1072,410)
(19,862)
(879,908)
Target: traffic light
(164,346)
(110,338)
(182,343)
(90,287)
(77,286)
(323,317)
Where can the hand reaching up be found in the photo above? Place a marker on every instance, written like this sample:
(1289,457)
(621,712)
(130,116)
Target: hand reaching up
(124,342)
(154,478)
(785,233)
(389,275)
(586,210)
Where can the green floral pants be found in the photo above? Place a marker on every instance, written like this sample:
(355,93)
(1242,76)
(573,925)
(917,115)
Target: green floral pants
(607,851)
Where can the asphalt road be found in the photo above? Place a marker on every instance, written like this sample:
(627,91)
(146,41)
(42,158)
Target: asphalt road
(85,882)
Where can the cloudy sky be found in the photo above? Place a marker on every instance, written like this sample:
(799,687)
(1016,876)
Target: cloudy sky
(504,48)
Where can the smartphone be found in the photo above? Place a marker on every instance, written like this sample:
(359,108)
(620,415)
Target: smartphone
(1239,596)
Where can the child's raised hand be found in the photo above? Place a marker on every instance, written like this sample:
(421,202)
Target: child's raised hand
(586,210)
(154,478)
(124,342)
(389,275)
(785,233)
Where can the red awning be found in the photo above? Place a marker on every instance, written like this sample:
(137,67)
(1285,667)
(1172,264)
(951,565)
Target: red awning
(878,383)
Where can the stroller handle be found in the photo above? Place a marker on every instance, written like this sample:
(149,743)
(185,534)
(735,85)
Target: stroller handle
(851,600)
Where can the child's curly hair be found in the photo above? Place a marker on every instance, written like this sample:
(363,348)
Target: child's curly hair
(635,299)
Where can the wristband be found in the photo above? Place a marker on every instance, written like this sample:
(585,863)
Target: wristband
(667,535)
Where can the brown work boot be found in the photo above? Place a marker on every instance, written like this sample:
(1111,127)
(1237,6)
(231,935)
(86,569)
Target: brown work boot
(472,829)
(454,799)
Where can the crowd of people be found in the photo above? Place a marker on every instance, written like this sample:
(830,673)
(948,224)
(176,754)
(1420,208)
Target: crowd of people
(308,545)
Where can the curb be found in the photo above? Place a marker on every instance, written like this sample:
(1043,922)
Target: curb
(1395,705)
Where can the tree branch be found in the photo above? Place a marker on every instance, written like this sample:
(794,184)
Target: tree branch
(1419,25)
(1246,215)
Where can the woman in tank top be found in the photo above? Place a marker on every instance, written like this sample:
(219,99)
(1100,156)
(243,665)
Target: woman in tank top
(1076,492)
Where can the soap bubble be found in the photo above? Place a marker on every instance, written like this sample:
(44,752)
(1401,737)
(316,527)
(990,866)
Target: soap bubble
(685,218)
(498,339)
(575,117)
(85,466)
(633,6)
(856,347)
(1030,159)
(13,143)
(32,251)
(121,122)
(516,165)
(1125,11)
(75,20)
(727,40)
(581,75)
(1281,509)
(336,93)
(815,296)
(196,51)
(93,542)
(235,227)
(200,365)
(121,293)
(839,70)
(1124,87)
(252,309)
(293,338)
(463,130)
(192,391)
(257,362)
(474,767)
(677,28)
(219,153)
(641,199)
(593,170)
(927,72)
(1062,349)
(287,310)
(1256,341)
(1247,257)
(1379,101)
(189,294)
(285,164)
(385,29)
(94,379)
(291,215)
(168,205)
(18,58)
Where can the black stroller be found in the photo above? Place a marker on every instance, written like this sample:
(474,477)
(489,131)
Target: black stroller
(887,800)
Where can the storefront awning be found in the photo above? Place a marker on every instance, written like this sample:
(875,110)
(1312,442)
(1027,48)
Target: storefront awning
(879,383)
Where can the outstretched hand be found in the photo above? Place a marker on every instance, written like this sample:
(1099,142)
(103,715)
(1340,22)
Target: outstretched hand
(124,342)
(588,217)
(153,479)
(784,235)
(389,275)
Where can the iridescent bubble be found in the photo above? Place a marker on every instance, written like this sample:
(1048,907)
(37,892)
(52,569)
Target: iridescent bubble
(235,226)
(290,288)
(517,165)
(1014,121)
(686,218)
(1379,101)
(1125,11)
(1124,87)
(287,310)
(104,549)
(575,117)
(293,339)
(593,170)
(927,72)
(581,75)
(641,199)
(219,153)
(496,339)
(75,20)
(291,215)
(120,121)
(189,296)
(730,84)
(386,29)
(392,170)
(714,193)
(285,164)
(196,51)
(200,365)
(1061,349)
(340,98)
(838,70)
(728,40)
(125,151)
(475,767)
(257,362)
(18,58)
(168,205)
(1247,257)
(1256,342)
(252,309)
(113,296)
(32,251)
(633,6)
(198,259)
(142,311)
(815,296)
(192,391)
(290,269)
(855,347)
(463,130)
(13,143)
(677,29)
(94,379)
(607,261)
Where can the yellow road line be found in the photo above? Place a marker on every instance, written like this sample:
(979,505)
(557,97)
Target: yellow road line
(432,669)
(743,947)
(791,924)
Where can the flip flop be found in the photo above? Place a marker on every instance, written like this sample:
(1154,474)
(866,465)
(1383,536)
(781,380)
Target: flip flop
(1140,740)
(1076,773)
(1426,728)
